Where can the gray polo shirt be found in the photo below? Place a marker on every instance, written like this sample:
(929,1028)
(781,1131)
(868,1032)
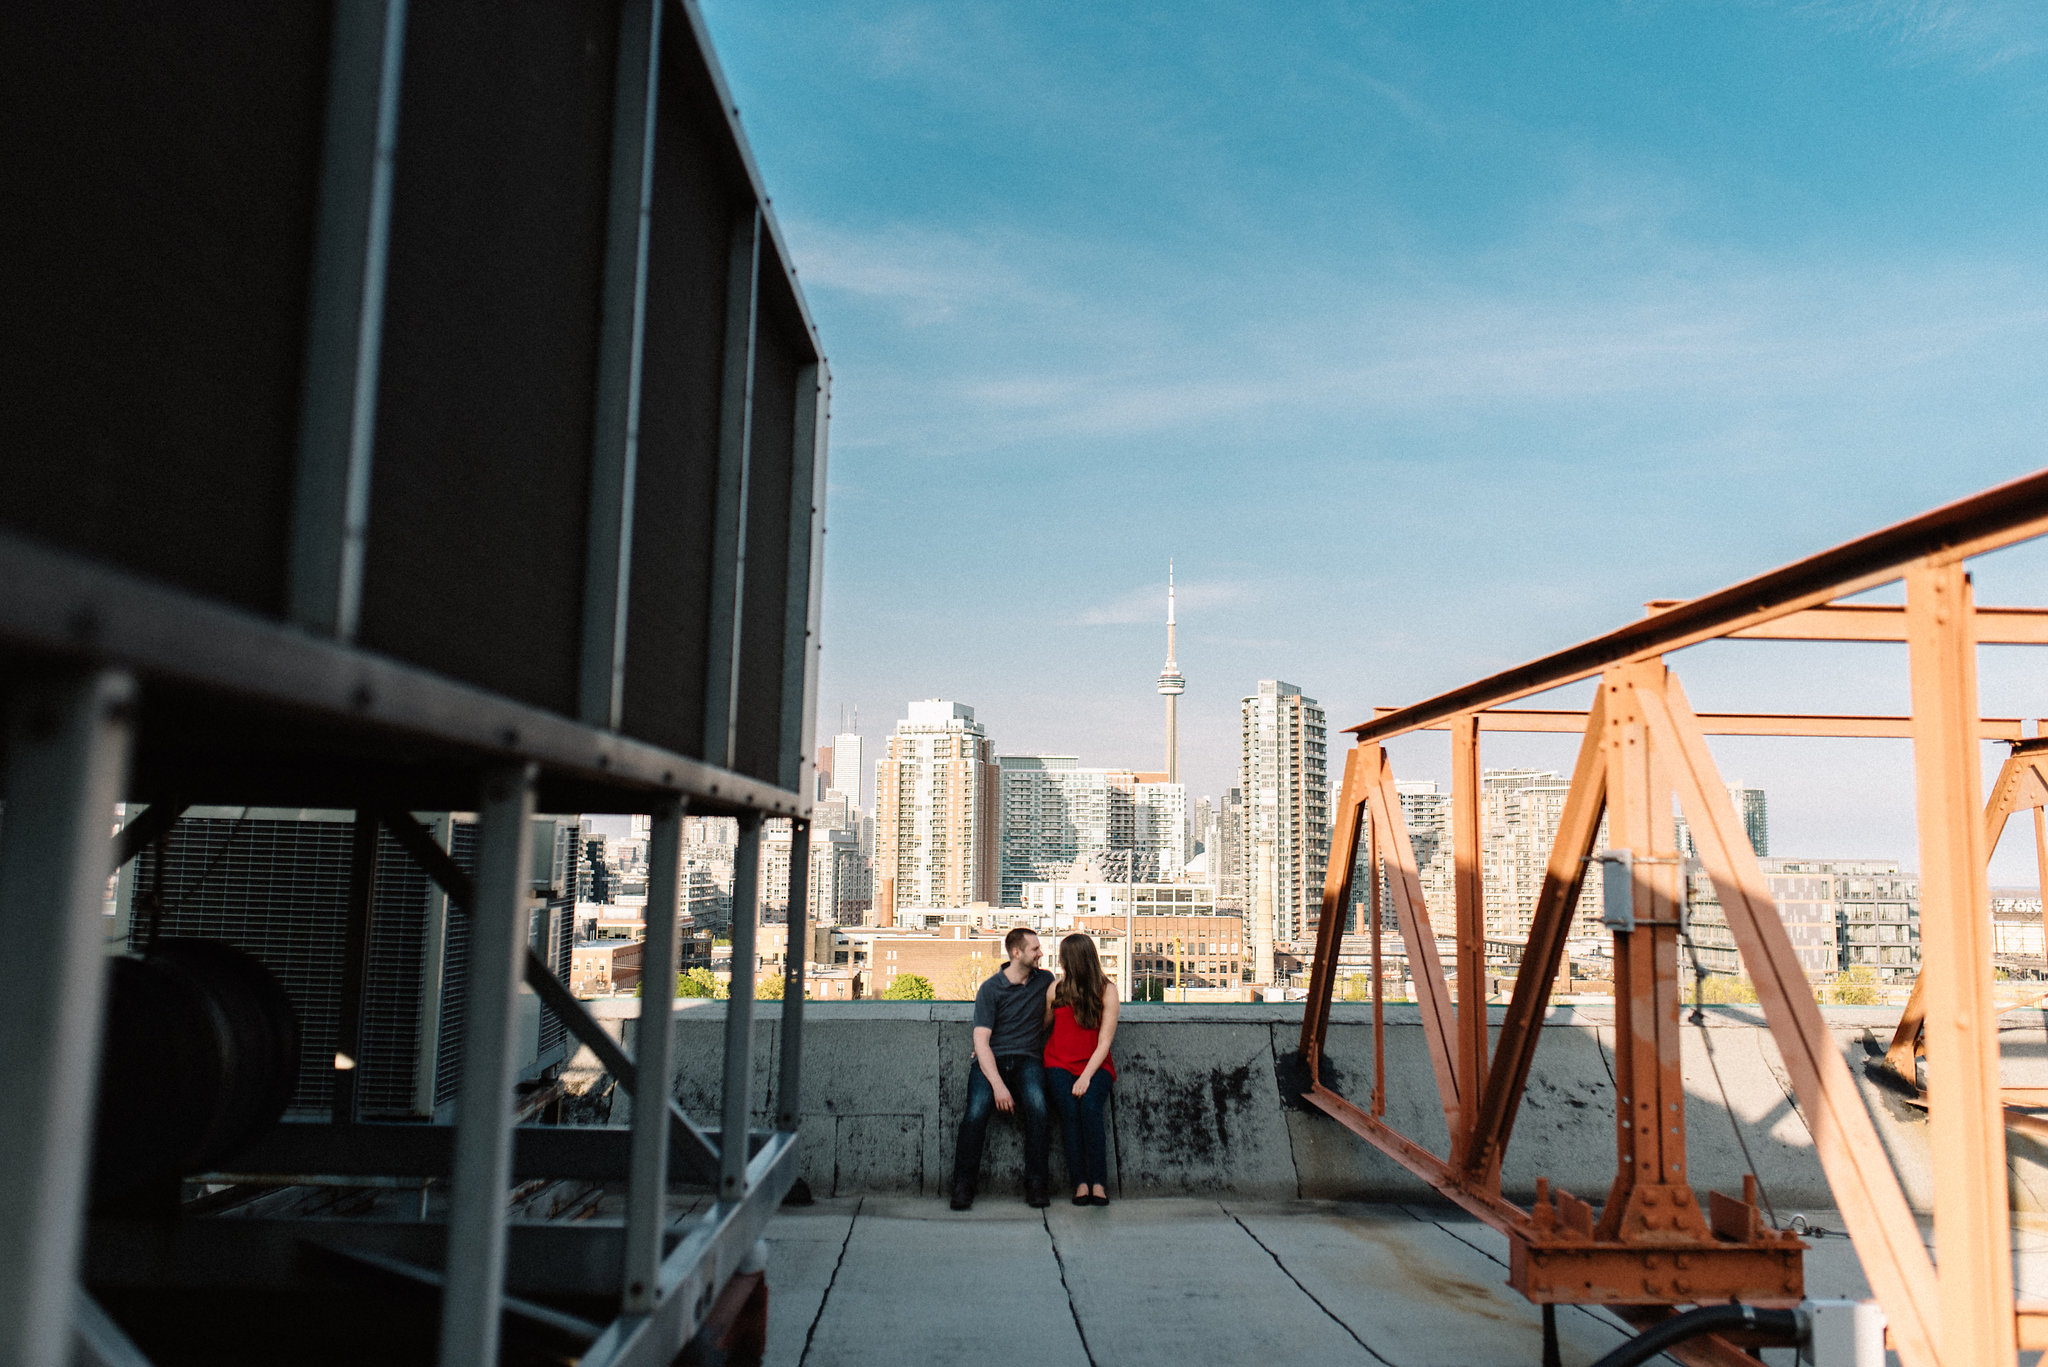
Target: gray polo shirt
(1012,1013)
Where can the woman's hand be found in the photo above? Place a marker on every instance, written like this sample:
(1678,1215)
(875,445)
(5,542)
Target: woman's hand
(1081,1084)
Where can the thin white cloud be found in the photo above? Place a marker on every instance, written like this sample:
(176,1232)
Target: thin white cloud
(1148,604)
(1530,326)
(926,276)
(1982,34)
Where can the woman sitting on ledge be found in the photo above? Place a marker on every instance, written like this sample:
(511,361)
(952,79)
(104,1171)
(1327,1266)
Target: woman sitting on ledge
(1081,1007)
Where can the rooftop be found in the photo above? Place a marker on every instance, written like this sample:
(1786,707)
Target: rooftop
(1179,1281)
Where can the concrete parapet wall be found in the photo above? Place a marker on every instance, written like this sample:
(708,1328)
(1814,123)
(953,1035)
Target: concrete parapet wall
(1201,1105)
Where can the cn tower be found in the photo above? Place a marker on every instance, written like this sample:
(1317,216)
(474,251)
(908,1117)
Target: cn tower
(1170,686)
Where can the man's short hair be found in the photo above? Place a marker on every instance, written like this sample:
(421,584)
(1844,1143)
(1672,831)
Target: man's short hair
(1015,938)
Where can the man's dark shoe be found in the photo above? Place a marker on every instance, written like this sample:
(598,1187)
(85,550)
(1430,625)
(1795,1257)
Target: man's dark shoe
(963,1194)
(1035,1195)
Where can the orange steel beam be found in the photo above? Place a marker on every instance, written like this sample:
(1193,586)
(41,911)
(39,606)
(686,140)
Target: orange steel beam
(1653,748)
(1468,893)
(1654,1244)
(1337,885)
(1973,1234)
(2009,513)
(1881,622)
(1578,827)
(2020,784)
(1379,982)
(1418,937)
(1859,1172)
(1652,1190)
(1829,726)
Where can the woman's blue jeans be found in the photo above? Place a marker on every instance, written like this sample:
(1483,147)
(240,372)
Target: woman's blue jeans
(1081,1127)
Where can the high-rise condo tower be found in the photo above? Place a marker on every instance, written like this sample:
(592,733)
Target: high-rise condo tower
(1170,685)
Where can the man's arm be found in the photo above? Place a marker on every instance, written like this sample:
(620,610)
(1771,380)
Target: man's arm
(986,1057)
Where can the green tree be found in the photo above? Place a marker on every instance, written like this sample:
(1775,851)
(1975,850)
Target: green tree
(770,988)
(909,987)
(1856,986)
(698,982)
(1720,989)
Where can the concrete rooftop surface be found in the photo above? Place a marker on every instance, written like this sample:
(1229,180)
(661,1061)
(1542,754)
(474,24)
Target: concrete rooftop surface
(1176,1281)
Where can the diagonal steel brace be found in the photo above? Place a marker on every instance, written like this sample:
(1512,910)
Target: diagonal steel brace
(693,1148)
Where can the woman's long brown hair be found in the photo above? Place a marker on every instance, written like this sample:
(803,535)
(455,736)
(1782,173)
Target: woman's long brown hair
(1084,983)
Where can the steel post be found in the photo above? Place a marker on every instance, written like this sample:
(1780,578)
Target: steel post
(98,1342)
(355,962)
(739,1013)
(498,949)
(615,449)
(66,757)
(653,1046)
(1469,888)
(345,327)
(2040,847)
(790,1038)
(1379,1003)
(1972,1230)
(735,454)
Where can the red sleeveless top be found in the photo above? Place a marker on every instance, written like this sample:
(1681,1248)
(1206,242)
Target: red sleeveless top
(1069,1046)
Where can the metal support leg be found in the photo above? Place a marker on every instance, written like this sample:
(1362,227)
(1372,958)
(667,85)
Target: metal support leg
(66,756)
(98,1342)
(483,1137)
(1972,1230)
(1470,889)
(355,965)
(739,1012)
(145,828)
(1379,982)
(653,1043)
(789,1082)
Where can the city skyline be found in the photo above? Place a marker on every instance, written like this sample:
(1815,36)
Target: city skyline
(1427,340)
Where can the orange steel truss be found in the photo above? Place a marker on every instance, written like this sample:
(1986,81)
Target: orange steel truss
(1651,1246)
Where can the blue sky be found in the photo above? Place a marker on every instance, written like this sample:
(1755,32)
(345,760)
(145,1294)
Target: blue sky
(1425,337)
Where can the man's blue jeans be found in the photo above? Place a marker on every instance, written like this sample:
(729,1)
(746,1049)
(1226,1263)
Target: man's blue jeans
(1081,1124)
(1024,1075)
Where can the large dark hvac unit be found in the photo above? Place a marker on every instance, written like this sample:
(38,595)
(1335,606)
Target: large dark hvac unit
(454,408)
(274,883)
(406,407)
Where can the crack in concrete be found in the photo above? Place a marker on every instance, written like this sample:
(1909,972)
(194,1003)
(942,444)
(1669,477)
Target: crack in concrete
(1286,1123)
(1289,1274)
(1072,1309)
(1591,1312)
(832,1281)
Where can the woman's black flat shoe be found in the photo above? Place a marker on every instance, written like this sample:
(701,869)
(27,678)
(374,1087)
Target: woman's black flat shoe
(1083,1200)
(1094,1200)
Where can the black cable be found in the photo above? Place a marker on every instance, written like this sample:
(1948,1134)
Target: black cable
(1699,1018)
(1781,1325)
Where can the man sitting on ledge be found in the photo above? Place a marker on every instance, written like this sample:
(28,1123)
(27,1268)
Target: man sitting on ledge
(1009,1043)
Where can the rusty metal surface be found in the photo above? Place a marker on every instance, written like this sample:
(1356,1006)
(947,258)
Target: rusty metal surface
(2001,516)
(1651,1245)
(1821,725)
